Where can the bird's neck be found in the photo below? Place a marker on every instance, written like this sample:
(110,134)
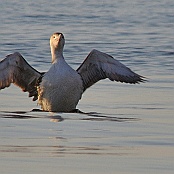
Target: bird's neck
(56,54)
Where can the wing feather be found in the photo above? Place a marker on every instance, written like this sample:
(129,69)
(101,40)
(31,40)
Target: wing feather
(99,65)
(15,69)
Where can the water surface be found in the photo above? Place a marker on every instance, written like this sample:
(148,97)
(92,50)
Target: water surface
(128,128)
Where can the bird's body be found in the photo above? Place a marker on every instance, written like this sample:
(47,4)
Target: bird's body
(61,88)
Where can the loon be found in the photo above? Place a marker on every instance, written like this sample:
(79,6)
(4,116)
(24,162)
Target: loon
(61,87)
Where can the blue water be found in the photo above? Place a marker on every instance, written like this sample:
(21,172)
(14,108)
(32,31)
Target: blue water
(130,128)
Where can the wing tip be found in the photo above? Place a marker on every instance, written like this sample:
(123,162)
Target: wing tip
(140,79)
(132,79)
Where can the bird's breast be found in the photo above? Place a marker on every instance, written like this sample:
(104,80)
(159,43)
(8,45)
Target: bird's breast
(60,90)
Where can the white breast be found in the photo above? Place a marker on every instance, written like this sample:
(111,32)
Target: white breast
(61,88)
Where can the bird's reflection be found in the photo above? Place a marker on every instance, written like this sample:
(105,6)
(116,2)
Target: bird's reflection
(56,118)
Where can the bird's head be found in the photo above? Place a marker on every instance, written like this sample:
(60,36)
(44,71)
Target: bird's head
(57,41)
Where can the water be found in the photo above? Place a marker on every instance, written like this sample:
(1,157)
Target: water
(131,127)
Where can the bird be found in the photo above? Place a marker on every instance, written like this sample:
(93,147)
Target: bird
(61,87)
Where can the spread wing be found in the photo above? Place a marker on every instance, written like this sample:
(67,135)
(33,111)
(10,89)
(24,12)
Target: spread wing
(99,65)
(15,69)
